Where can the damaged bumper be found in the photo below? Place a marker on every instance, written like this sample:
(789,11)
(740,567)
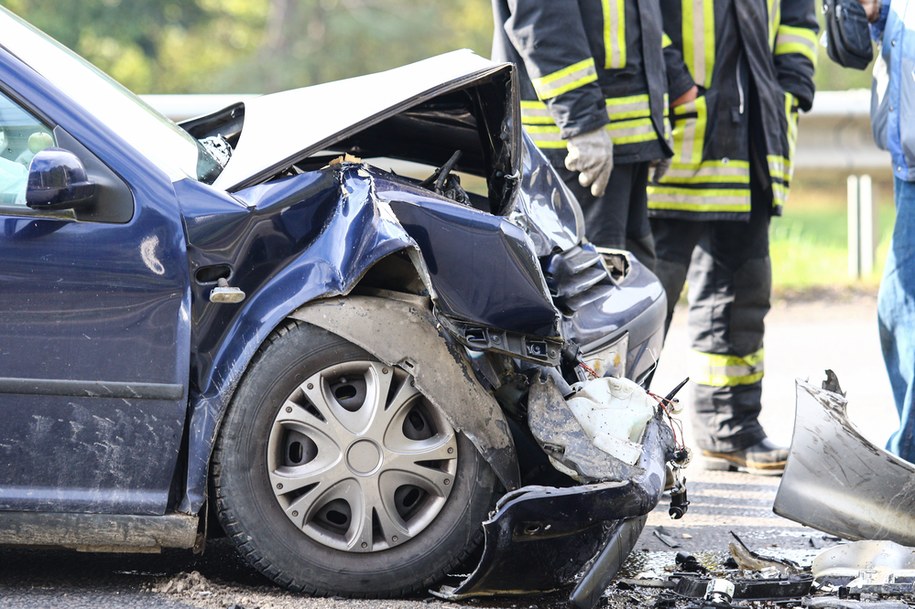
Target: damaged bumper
(544,538)
(838,482)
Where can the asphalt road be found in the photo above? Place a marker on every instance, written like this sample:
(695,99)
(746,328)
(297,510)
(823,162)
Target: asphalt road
(835,330)
(803,338)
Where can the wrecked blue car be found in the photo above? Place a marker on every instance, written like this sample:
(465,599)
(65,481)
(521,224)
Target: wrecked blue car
(357,325)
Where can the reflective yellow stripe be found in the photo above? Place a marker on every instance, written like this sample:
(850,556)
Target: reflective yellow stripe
(736,172)
(632,132)
(535,113)
(545,136)
(780,168)
(779,194)
(633,106)
(621,132)
(665,41)
(699,39)
(689,132)
(775,17)
(726,200)
(614,33)
(796,40)
(572,77)
(791,115)
(618,108)
(717,370)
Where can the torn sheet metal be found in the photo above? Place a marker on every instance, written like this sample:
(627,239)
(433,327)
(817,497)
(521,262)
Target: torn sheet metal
(749,560)
(864,563)
(575,451)
(544,206)
(344,107)
(793,587)
(544,538)
(441,371)
(834,602)
(838,482)
(601,305)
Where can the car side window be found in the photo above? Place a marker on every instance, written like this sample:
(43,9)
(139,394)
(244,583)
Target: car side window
(22,136)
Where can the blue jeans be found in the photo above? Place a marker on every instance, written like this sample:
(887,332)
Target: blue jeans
(896,318)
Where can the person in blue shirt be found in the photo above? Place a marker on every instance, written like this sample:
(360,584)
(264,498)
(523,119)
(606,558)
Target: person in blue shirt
(893,121)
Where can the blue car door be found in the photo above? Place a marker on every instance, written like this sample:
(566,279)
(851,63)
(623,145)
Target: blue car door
(94,332)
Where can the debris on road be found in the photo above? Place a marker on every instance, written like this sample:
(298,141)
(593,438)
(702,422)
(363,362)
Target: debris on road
(862,575)
(837,481)
(749,560)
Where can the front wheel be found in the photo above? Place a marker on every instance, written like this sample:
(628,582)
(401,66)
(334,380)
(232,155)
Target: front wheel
(334,475)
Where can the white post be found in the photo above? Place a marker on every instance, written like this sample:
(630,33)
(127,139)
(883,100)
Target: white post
(854,228)
(867,223)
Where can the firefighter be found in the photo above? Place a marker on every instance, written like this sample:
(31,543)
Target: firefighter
(740,70)
(593,91)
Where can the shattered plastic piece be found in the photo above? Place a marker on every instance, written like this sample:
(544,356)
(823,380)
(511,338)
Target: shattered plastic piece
(687,563)
(749,560)
(666,537)
(838,482)
(535,540)
(865,563)
(719,590)
(561,436)
(834,602)
(613,412)
(792,587)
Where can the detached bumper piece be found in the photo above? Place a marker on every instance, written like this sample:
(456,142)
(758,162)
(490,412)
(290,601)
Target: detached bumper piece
(838,482)
(543,538)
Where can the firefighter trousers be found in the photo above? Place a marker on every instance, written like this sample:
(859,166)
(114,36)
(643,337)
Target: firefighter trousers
(619,218)
(727,267)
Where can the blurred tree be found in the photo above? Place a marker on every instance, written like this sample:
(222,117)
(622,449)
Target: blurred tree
(311,41)
(186,46)
(159,46)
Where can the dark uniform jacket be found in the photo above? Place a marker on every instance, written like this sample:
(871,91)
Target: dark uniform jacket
(586,64)
(753,61)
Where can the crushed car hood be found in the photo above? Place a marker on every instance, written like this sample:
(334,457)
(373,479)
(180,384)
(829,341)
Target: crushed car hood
(283,128)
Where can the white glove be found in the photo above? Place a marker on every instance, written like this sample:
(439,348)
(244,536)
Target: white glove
(659,167)
(591,155)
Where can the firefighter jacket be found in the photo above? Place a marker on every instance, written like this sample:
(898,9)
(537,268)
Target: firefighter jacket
(586,64)
(753,61)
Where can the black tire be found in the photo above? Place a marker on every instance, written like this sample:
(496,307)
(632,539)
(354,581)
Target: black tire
(313,556)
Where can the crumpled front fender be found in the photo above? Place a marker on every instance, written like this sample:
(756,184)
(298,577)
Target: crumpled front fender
(406,334)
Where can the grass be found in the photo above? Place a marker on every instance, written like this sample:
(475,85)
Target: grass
(808,244)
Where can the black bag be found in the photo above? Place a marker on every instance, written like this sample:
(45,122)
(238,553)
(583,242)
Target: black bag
(848,37)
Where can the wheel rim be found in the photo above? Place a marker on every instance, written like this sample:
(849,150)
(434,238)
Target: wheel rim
(358,459)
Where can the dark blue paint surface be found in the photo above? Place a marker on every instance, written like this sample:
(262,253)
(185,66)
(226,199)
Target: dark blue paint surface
(315,235)
(94,303)
(115,369)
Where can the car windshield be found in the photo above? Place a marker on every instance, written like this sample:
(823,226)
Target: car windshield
(159,139)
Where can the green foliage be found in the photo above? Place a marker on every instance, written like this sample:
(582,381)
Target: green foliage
(188,46)
(312,41)
(809,244)
(160,46)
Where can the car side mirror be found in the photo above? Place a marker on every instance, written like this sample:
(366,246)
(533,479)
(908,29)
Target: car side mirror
(58,180)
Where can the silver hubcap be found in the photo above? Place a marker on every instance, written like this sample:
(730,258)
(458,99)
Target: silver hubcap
(358,459)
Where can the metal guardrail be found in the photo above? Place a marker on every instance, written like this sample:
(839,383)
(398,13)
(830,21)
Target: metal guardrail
(836,134)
